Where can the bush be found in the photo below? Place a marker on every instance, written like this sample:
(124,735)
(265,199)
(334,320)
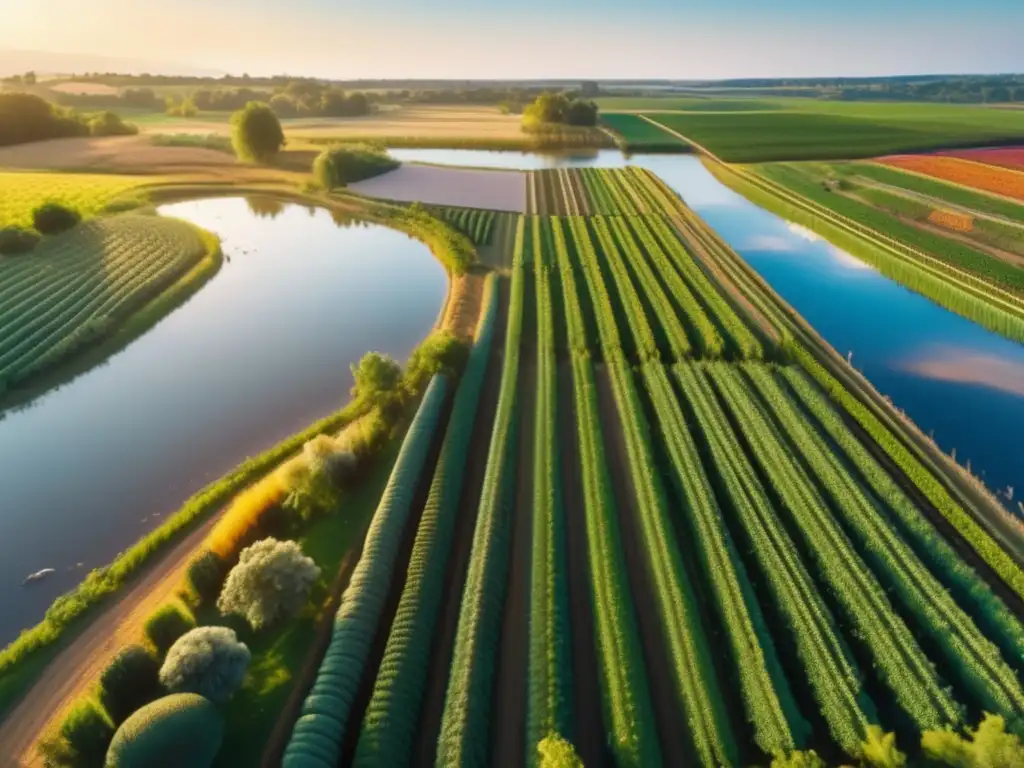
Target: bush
(54,218)
(205,576)
(271,582)
(25,117)
(557,753)
(557,108)
(131,681)
(990,746)
(442,352)
(85,735)
(366,435)
(808,759)
(314,477)
(341,165)
(256,133)
(166,626)
(879,749)
(110,124)
(15,241)
(172,732)
(209,661)
(377,379)
(252,513)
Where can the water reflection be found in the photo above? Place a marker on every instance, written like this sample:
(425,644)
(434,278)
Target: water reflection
(950,363)
(264,206)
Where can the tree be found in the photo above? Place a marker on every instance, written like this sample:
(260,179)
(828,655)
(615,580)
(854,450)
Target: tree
(256,133)
(990,746)
(29,78)
(589,89)
(54,218)
(178,730)
(581,112)
(441,352)
(283,106)
(209,661)
(271,582)
(333,104)
(166,626)
(377,377)
(129,682)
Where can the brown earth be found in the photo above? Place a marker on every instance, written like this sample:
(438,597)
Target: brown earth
(438,185)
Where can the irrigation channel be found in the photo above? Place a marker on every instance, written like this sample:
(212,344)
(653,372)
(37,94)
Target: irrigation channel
(260,352)
(959,382)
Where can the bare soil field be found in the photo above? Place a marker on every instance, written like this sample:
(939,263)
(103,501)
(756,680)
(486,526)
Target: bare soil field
(434,185)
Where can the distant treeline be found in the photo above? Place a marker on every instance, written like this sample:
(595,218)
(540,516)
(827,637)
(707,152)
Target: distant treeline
(25,117)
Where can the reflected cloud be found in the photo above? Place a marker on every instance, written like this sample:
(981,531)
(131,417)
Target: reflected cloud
(965,366)
(770,244)
(848,261)
(803,232)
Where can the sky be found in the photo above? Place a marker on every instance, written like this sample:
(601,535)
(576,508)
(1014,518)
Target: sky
(479,39)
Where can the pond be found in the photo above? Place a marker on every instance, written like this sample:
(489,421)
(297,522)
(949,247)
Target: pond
(959,382)
(257,354)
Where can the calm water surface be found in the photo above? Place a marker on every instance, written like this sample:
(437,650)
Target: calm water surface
(260,352)
(956,380)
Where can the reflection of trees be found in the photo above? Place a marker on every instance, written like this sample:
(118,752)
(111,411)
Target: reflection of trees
(264,207)
(345,220)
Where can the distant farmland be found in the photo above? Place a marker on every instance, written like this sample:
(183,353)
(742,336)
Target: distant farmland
(639,135)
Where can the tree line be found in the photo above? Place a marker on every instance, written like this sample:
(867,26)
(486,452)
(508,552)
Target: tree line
(25,117)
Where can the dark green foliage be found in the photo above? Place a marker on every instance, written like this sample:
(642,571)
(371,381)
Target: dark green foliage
(166,625)
(179,731)
(256,133)
(348,163)
(129,682)
(206,574)
(15,241)
(54,218)
(85,735)
(558,108)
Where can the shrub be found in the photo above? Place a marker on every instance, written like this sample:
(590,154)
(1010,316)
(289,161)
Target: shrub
(205,576)
(85,735)
(54,218)
(251,511)
(377,379)
(209,661)
(879,749)
(366,435)
(990,746)
(167,624)
(557,753)
(256,133)
(348,163)
(173,732)
(442,352)
(110,124)
(15,241)
(131,681)
(808,759)
(313,479)
(271,582)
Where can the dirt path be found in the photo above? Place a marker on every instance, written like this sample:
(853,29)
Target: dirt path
(588,728)
(79,665)
(425,745)
(656,657)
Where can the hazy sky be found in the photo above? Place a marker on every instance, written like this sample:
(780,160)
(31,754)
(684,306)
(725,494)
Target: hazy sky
(534,38)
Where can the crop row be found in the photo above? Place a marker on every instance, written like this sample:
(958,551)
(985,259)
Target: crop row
(969,658)
(392,716)
(640,135)
(549,679)
(465,722)
(625,699)
(318,733)
(990,178)
(475,223)
(945,249)
(558,192)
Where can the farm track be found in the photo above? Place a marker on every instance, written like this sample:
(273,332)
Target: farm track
(662,687)
(588,729)
(425,745)
(511,669)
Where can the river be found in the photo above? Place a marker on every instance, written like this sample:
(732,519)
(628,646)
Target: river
(260,352)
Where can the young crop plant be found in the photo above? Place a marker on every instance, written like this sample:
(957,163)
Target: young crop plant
(969,589)
(971,660)
(898,658)
(771,708)
(625,699)
(320,729)
(392,716)
(826,660)
(549,680)
(465,722)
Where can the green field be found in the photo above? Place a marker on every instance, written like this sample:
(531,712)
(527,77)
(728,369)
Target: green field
(816,130)
(638,135)
(89,194)
(75,287)
(684,104)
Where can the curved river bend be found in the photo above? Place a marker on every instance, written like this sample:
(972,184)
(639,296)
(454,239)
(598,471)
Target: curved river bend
(257,354)
(959,382)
